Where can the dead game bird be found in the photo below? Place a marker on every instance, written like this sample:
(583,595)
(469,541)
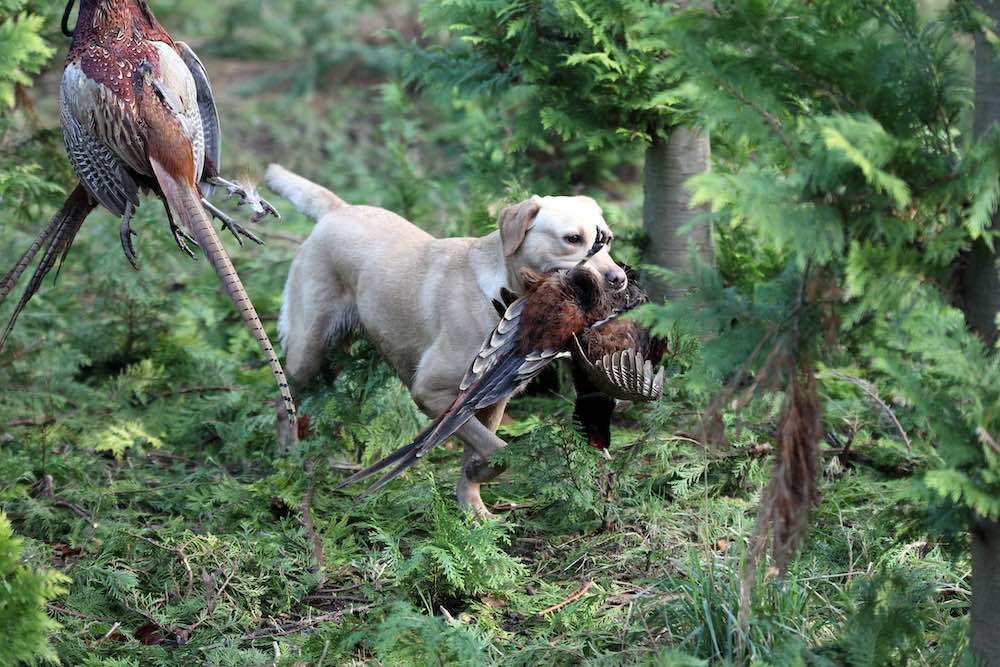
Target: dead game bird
(534,330)
(137,116)
(612,361)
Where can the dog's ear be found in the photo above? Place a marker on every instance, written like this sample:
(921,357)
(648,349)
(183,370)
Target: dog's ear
(515,221)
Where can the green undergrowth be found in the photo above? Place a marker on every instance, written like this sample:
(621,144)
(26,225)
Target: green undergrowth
(184,543)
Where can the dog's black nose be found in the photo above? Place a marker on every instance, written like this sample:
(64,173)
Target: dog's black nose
(616,278)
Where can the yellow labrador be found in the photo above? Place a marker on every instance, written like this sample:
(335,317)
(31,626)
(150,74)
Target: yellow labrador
(425,303)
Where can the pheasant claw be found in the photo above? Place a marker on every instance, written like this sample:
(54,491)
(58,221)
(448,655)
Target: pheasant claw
(235,228)
(125,234)
(249,196)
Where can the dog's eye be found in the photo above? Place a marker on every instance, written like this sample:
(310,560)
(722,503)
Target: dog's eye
(573,239)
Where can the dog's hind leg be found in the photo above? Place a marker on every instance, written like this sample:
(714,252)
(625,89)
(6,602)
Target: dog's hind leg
(308,327)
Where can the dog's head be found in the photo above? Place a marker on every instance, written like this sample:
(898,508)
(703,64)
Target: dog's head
(546,233)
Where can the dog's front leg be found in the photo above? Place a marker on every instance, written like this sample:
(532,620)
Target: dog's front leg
(480,443)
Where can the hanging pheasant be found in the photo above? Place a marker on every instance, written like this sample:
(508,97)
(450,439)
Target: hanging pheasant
(137,115)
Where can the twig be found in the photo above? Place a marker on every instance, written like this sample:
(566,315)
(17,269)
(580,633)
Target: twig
(573,597)
(768,117)
(48,491)
(210,598)
(138,612)
(46,420)
(986,438)
(178,552)
(63,611)
(292,628)
(682,438)
(825,577)
(319,560)
(272,236)
(31,421)
(193,390)
(869,391)
(110,632)
(345,466)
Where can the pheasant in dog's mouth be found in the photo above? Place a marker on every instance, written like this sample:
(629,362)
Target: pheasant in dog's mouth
(534,329)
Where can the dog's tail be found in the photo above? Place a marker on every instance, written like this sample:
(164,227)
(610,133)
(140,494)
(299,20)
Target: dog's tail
(312,199)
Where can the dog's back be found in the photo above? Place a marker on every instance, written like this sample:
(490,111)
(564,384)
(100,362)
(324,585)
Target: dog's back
(362,268)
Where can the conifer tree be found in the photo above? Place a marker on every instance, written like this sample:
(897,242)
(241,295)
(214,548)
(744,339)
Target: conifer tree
(842,147)
(23,594)
(595,71)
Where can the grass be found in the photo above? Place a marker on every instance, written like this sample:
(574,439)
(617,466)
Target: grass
(189,547)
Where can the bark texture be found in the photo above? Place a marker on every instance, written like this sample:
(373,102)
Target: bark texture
(666,208)
(980,280)
(981,301)
(984,616)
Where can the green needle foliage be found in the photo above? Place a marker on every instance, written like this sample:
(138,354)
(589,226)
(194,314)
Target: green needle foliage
(23,594)
(844,127)
(563,51)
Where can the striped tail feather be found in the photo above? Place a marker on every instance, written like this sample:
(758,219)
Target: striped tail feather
(186,203)
(498,382)
(439,431)
(57,237)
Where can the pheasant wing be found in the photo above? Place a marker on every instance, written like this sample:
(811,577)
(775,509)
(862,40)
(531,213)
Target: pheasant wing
(100,165)
(206,108)
(624,374)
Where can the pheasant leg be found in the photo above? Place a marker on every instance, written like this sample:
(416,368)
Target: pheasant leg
(125,233)
(181,238)
(229,223)
(248,195)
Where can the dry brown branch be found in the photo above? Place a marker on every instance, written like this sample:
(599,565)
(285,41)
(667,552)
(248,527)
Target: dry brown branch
(573,597)
(63,611)
(783,517)
(44,420)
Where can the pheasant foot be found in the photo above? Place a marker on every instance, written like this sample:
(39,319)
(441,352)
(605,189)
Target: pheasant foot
(248,195)
(125,233)
(228,223)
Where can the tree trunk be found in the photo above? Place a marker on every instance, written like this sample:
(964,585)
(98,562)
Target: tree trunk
(984,621)
(669,164)
(980,280)
(981,301)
